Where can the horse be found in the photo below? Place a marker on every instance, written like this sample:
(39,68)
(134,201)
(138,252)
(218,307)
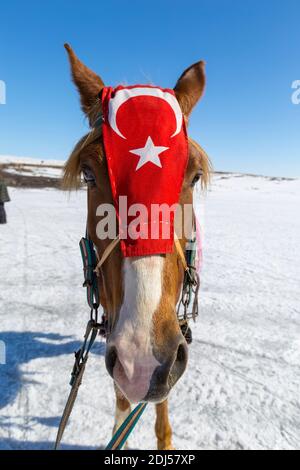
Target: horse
(146,352)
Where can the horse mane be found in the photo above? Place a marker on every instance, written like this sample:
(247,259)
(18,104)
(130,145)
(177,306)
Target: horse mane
(206,164)
(72,171)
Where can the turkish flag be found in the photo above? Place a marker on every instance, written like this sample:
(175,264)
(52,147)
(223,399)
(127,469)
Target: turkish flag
(146,148)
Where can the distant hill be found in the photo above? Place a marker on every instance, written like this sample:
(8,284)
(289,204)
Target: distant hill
(35,173)
(30,172)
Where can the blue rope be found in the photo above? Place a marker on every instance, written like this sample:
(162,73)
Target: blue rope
(123,432)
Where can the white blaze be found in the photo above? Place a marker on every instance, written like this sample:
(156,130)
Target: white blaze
(132,333)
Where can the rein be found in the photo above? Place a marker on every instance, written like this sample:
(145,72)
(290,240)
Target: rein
(91,269)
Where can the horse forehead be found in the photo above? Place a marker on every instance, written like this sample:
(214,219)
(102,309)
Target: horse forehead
(143,285)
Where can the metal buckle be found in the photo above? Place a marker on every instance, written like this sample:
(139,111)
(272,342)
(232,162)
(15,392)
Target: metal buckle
(190,289)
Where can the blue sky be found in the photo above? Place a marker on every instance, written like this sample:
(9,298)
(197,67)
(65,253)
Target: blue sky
(246,121)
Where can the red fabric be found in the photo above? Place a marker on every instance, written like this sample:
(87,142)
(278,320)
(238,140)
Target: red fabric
(144,182)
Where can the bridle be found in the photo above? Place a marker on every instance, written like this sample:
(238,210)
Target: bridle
(91,268)
(190,286)
(92,264)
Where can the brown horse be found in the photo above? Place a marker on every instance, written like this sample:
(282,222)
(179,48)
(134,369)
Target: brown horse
(146,351)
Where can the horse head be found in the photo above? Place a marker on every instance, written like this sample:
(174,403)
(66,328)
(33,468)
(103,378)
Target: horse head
(146,350)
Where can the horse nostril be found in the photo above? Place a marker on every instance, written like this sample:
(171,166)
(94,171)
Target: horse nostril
(179,364)
(181,354)
(110,359)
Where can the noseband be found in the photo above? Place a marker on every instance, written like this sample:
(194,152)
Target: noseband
(190,287)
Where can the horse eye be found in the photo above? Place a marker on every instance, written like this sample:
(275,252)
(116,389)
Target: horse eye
(196,178)
(88,176)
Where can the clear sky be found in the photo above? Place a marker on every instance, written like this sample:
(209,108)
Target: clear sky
(246,121)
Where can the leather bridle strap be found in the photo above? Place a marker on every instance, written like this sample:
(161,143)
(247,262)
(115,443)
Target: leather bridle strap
(180,253)
(81,358)
(109,249)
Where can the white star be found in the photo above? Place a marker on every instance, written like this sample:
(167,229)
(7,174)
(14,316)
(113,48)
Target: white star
(149,153)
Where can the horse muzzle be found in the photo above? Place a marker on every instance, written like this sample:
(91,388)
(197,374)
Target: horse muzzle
(144,378)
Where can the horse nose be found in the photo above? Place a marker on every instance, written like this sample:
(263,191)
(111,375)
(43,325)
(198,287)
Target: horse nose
(167,374)
(146,379)
(131,367)
(110,360)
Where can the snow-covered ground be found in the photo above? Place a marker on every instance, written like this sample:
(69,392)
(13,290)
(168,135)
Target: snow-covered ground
(241,389)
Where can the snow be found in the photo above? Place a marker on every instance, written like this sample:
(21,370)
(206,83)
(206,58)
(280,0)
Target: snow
(241,389)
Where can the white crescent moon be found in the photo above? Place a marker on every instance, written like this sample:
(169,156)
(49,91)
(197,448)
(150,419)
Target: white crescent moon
(126,94)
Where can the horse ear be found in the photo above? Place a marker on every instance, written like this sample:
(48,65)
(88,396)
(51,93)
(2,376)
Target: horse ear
(87,82)
(190,87)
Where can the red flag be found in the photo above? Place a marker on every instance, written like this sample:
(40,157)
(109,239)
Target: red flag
(146,149)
